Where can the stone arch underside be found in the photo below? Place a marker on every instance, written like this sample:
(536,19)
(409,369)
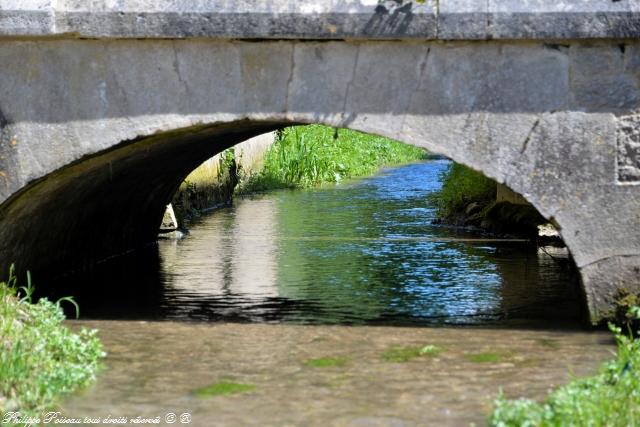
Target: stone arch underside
(97,134)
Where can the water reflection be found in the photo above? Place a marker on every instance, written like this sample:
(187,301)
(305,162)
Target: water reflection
(362,252)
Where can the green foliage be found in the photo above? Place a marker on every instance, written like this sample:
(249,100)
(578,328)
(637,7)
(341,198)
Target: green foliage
(40,358)
(224,388)
(460,187)
(610,398)
(305,156)
(326,362)
(404,354)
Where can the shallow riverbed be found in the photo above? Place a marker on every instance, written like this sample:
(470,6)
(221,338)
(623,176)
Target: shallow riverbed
(154,368)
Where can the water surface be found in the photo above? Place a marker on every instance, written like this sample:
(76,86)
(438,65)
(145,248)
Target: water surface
(350,272)
(363,252)
(154,368)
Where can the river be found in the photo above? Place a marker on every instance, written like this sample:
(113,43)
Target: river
(313,298)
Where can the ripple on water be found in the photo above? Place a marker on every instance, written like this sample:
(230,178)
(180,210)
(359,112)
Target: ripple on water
(326,375)
(363,252)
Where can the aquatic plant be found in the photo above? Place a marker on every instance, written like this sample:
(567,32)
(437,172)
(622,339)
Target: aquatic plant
(486,357)
(305,156)
(224,388)
(40,359)
(610,398)
(404,354)
(326,362)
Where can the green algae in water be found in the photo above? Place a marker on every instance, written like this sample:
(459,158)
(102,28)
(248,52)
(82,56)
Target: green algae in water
(326,362)
(487,357)
(404,354)
(224,388)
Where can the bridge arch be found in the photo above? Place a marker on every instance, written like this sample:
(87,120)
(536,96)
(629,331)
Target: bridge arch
(98,134)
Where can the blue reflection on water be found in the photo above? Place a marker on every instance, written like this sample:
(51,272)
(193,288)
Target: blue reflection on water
(365,251)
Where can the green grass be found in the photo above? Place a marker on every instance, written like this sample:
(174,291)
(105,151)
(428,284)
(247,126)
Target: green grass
(224,388)
(488,357)
(305,156)
(405,354)
(40,359)
(610,398)
(460,187)
(326,362)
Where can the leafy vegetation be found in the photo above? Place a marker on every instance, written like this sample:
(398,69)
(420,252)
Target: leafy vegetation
(40,359)
(610,398)
(224,388)
(305,156)
(404,354)
(624,313)
(460,187)
(326,362)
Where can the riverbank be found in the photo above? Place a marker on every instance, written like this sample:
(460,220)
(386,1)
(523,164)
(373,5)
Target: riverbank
(40,358)
(469,199)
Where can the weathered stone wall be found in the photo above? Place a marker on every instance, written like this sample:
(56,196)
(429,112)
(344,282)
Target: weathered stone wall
(97,134)
(209,186)
(249,157)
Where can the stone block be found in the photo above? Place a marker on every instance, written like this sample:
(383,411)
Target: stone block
(321,74)
(462,78)
(601,81)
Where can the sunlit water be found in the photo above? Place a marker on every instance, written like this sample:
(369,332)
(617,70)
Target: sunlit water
(350,271)
(360,252)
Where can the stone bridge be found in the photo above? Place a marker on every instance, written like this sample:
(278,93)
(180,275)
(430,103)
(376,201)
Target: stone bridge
(105,106)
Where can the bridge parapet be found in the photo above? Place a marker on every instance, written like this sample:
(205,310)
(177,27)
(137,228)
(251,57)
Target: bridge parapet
(323,19)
